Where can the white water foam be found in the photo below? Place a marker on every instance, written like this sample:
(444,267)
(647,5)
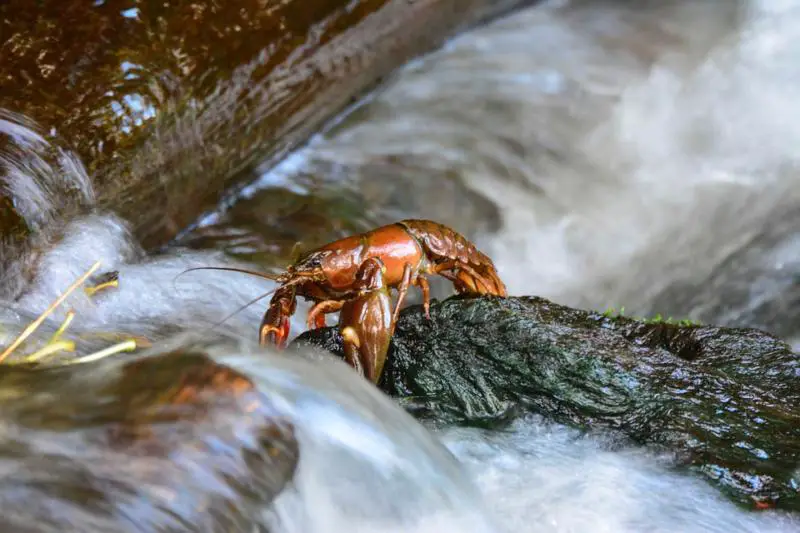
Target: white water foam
(153,292)
(541,477)
(365,464)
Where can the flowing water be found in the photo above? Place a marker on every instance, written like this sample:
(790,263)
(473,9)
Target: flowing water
(603,153)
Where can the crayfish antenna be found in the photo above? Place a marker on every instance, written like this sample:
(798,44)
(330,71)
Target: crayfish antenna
(264,275)
(242,308)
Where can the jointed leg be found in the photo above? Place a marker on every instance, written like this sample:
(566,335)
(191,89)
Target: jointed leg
(319,320)
(462,283)
(457,265)
(422,283)
(402,290)
(316,315)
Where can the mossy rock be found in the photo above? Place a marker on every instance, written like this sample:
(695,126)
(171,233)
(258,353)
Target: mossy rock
(725,401)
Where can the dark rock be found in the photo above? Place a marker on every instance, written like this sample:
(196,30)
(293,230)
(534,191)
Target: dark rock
(173,442)
(726,402)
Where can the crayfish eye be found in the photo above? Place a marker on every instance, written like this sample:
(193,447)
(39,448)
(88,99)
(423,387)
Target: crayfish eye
(312,263)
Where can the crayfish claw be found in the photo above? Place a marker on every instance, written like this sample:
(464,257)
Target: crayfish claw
(279,333)
(352,346)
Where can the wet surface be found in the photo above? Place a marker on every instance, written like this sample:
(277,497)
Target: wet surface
(269,227)
(169,106)
(757,286)
(98,74)
(174,442)
(723,401)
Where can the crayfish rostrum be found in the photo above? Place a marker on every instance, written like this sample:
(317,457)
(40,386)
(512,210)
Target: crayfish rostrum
(353,275)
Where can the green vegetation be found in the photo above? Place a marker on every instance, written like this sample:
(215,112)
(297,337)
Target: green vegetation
(611,312)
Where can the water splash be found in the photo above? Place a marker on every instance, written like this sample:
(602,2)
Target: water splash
(365,462)
(45,181)
(54,196)
(154,293)
(545,477)
(366,465)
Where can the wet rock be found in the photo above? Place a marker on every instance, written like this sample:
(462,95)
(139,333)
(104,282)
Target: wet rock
(725,402)
(268,227)
(172,105)
(172,442)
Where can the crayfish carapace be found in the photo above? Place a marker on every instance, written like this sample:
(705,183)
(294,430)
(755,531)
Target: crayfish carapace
(353,275)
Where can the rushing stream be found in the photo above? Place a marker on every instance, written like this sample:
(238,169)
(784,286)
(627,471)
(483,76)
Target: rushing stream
(603,153)
(608,155)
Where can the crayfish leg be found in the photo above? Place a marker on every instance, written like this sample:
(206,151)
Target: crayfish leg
(422,283)
(466,278)
(402,290)
(316,315)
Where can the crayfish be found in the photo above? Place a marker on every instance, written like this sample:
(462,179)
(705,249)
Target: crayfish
(353,275)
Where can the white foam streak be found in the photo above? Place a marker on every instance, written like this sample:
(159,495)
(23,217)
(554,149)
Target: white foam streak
(542,477)
(43,180)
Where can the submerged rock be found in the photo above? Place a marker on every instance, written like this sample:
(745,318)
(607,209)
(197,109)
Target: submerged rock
(173,442)
(725,401)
